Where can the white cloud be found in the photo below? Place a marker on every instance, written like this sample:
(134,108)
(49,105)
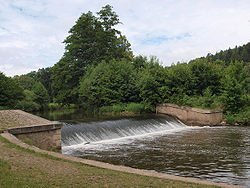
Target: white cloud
(31,32)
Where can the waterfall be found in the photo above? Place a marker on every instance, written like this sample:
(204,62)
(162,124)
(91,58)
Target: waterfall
(92,132)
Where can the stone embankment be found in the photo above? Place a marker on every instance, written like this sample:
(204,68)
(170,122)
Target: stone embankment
(32,129)
(192,116)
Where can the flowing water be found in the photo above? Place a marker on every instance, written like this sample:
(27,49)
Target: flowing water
(164,144)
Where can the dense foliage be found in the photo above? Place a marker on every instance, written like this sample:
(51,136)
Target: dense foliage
(36,96)
(109,83)
(241,53)
(98,71)
(91,40)
(10,92)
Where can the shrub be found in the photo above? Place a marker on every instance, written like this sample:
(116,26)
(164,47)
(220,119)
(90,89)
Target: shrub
(104,109)
(4,108)
(28,106)
(135,107)
(130,107)
(58,106)
(117,108)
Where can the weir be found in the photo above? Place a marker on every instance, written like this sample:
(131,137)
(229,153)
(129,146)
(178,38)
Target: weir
(86,133)
(191,116)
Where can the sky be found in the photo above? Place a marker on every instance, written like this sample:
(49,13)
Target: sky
(32,31)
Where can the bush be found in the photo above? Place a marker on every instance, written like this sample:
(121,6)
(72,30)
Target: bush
(28,106)
(117,108)
(58,106)
(130,107)
(105,109)
(135,107)
(243,117)
(4,108)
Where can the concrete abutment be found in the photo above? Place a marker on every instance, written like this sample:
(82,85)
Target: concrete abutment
(45,136)
(191,116)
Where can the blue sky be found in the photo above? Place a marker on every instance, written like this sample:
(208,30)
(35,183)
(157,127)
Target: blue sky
(32,31)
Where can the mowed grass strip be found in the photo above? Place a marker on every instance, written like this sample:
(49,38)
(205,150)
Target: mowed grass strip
(25,168)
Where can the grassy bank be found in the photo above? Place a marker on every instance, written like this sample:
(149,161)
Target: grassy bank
(24,168)
(136,108)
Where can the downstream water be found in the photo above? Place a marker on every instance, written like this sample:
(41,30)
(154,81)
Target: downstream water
(163,144)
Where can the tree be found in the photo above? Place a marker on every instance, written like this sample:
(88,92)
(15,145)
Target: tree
(241,53)
(10,91)
(151,82)
(91,40)
(34,91)
(41,94)
(232,87)
(26,82)
(109,83)
(44,76)
(180,81)
(205,75)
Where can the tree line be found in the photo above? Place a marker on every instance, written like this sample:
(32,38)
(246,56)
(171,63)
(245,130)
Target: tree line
(98,70)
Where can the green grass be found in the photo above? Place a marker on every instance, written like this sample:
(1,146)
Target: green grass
(135,107)
(21,149)
(58,106)
(26,168)
(129,107)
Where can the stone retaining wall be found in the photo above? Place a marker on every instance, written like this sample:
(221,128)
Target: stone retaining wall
(191,116)
(47,136)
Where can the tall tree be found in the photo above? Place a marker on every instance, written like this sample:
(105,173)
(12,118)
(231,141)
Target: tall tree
(91,40)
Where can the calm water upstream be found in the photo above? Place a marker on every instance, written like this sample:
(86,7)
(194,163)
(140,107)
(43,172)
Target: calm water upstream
(162,144)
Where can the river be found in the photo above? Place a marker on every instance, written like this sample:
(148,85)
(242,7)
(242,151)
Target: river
(162,144)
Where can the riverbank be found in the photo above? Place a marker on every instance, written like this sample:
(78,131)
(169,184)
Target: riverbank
(129,110)
(24,165)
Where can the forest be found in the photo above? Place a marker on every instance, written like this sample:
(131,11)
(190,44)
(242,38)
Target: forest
(99,71)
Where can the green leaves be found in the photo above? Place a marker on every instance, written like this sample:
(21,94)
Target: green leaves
(36,96)
(91,40)
(10,91)
(109,83)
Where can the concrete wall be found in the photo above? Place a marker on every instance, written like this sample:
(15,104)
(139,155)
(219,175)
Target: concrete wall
(47,136)
(191,116)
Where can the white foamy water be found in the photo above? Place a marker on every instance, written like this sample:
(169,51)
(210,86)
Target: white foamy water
(106,134)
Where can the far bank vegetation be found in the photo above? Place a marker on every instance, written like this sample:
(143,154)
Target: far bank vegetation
(99,71)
